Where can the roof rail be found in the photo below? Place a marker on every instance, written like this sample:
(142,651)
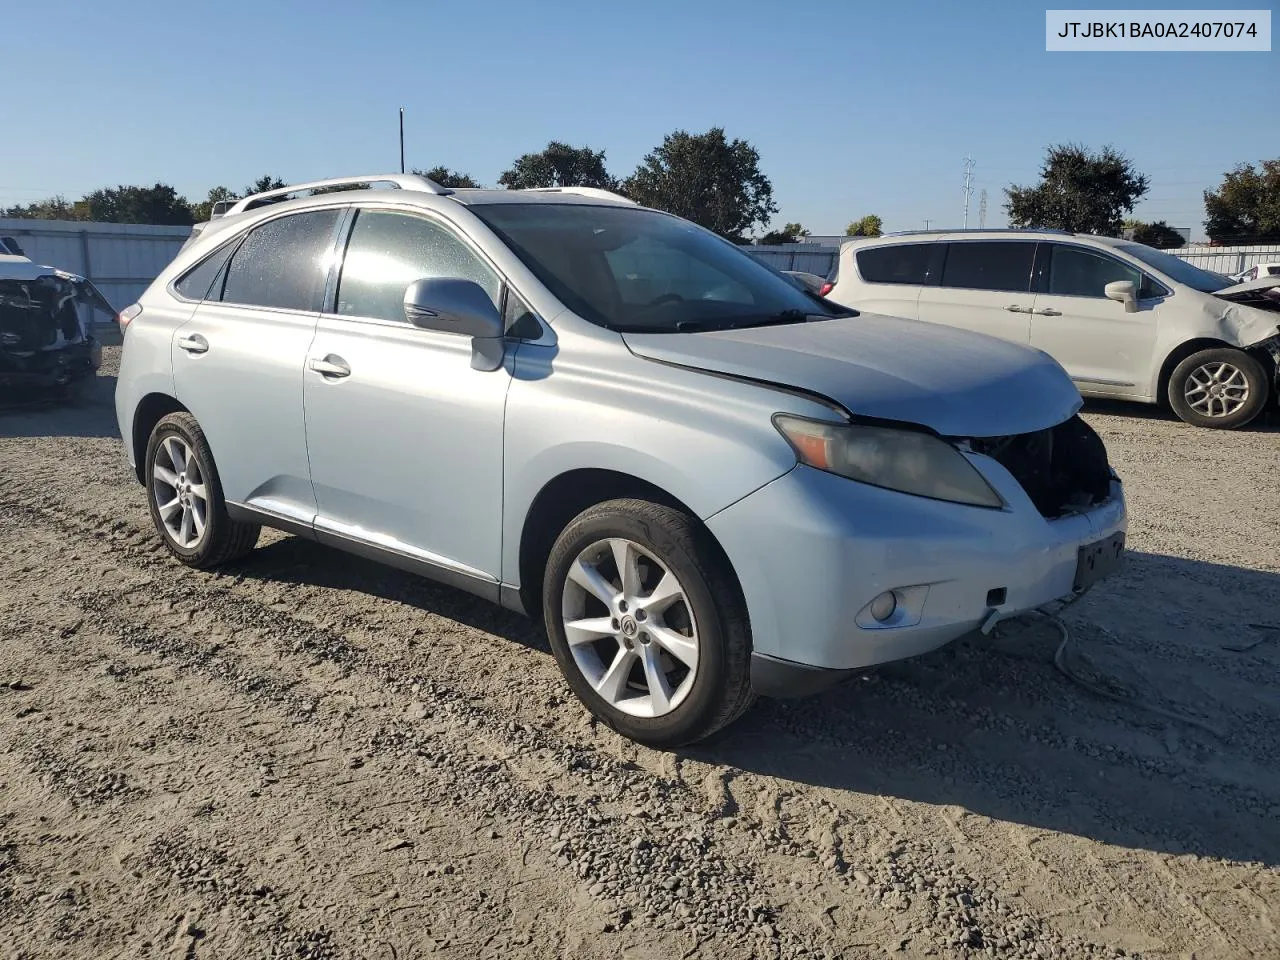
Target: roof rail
(401,181)
(912,233)
(596,192)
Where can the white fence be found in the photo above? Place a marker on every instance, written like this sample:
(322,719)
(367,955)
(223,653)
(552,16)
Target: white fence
(809,257)
(123,258)
(1228,260)
(120,258)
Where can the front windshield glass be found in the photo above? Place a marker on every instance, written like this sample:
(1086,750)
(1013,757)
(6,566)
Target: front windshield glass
(1177,269)
(640,271)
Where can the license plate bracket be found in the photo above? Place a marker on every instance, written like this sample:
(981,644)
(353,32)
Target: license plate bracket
(1098,559)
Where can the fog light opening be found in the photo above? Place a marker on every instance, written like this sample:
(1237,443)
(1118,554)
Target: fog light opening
(884,606)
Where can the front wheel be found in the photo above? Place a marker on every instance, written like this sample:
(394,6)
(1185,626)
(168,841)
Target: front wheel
(1221,388)
(647,623)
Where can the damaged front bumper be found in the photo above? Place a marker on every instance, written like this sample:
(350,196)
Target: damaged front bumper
(814,550)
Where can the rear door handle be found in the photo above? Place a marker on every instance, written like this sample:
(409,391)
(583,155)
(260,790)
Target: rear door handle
(194,344)
(1048,312)
(331,365)
(1014,308)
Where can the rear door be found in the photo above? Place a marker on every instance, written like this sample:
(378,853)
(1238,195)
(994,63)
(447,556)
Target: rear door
(238,362)
(984,286)
(1107,351)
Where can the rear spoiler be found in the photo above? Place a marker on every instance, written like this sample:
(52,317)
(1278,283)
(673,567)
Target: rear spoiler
(196,230)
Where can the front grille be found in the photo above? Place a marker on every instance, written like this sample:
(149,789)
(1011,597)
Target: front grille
(1063,469)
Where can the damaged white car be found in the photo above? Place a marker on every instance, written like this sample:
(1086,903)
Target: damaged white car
(46,328)
(1127,321)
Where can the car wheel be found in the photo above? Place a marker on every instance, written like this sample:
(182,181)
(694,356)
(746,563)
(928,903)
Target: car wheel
(647,623)
(1222,388)
(185,497)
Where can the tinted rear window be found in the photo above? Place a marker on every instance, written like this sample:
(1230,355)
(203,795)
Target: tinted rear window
(899,263)
(283,263)
(989,265)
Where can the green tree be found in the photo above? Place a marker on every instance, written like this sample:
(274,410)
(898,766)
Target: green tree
(448,178)
(201,211)
(790,233)
(1079,190)
(1159,235)
(559,165)
(706,178)
(263,184)
(159,204)
(868,226)
(1246,206)
(53,208)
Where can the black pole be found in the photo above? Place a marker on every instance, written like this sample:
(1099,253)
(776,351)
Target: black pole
(402,139)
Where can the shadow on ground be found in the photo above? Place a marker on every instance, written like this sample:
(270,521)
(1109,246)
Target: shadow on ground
(91,413)
(1266,422)
(990,725)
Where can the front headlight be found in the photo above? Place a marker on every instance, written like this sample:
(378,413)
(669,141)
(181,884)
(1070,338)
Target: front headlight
(905,460)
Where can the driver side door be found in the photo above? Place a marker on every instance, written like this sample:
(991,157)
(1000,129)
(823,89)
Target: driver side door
(404,437)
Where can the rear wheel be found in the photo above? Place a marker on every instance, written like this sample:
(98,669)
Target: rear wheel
(185,497)
(647,623)
(1221,388)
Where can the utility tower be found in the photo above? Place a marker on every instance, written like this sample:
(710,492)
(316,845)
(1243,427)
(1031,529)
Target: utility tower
(982,208)
(968,187)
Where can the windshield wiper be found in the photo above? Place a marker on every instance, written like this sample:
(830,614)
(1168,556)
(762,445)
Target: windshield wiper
(781,317)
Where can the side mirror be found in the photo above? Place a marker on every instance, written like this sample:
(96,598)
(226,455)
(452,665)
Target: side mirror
(1125,291)
(453,305)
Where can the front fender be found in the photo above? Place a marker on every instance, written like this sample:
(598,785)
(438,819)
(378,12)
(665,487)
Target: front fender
(706,441)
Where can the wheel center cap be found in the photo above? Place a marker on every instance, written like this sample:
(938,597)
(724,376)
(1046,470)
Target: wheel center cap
(629,627)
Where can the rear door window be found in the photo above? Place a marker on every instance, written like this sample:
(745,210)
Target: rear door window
(283,263)
(989,265)
(896,263)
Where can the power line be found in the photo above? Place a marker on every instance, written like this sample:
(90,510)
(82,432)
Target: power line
(968,187)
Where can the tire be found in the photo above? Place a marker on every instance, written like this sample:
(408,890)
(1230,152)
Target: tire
(172,495)
(707,624)
(1241,384)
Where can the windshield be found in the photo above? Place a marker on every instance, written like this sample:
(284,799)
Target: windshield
(640,271)
(1177,269)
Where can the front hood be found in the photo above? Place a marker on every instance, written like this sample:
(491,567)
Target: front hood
(957,383)
(1261,285)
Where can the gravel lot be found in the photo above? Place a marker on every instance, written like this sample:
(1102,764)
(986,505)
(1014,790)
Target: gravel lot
(308,755)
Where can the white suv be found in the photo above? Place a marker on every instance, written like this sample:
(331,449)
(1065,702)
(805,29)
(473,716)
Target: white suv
(1126,321)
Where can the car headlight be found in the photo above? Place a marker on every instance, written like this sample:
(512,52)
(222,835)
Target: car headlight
(905,460)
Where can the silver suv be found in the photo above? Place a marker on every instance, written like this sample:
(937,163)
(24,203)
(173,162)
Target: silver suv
(707,481)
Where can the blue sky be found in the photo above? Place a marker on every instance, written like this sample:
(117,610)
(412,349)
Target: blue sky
(855,107)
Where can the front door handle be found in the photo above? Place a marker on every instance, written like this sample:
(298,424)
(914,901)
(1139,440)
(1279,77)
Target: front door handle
(194,344)
(331,365)
(1014,308)
(1048,312)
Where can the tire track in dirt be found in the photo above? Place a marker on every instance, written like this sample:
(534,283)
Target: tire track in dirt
(964,916)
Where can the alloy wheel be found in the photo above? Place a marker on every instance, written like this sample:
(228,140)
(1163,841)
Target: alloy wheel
(630,628)
(1216,389)
(178,488)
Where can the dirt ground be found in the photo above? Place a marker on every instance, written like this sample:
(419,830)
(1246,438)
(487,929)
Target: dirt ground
(308,755)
